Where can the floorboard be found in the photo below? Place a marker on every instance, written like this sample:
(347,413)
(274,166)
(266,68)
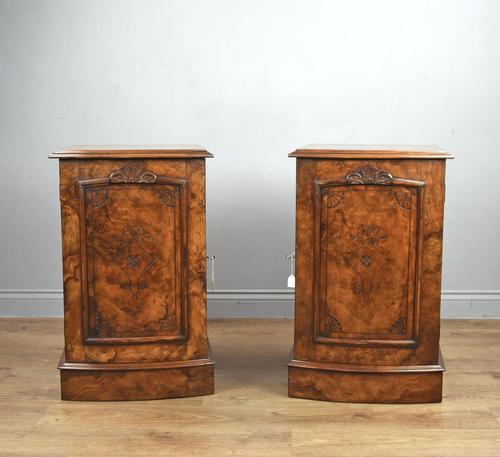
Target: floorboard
(250,414)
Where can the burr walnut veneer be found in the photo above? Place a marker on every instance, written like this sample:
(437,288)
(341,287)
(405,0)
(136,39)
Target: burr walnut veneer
(368,274)
(133,229)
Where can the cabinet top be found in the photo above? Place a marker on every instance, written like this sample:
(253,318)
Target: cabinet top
(123,151)
(370,151)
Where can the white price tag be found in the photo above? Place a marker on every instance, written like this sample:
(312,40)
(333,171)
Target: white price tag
(291,279)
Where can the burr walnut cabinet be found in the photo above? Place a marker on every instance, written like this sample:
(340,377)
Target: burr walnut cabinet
(368,274)
(133,232)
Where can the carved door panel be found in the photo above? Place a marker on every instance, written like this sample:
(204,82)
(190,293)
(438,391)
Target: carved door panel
(133,229)
(366,251)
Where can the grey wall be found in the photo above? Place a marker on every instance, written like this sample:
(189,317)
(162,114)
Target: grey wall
(249,80)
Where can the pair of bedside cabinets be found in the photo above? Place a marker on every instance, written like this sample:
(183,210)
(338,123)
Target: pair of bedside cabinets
(369,222)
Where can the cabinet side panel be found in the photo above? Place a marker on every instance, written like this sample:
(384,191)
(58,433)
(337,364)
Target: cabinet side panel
(70,222)
(431,261)
(196,270)
(304,262)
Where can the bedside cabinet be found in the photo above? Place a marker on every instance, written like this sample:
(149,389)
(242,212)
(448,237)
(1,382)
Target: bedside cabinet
(133,233)
(368,274)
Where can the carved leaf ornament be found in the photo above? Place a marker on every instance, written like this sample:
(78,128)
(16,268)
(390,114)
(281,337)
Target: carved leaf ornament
(369,175)
(132,173)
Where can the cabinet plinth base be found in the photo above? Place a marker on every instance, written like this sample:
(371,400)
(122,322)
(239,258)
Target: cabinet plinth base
(136,381)
(365,384)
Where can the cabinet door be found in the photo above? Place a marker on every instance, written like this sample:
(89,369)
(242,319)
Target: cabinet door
(367,237)
(133,231)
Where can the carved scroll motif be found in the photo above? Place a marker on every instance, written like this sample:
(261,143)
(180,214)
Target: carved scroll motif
(98,198)
(168,322)
(167,197)
(135,256)
(332,324)
(335,199)
(399,327)
(102,327)
(369,235)
(403,199)
(365,287)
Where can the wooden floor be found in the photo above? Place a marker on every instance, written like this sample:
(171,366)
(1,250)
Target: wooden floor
(250,414)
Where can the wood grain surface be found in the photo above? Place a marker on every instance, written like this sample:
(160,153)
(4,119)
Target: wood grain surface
(250,413)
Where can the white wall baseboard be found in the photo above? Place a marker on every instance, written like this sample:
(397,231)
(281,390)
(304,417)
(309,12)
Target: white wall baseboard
(456,304)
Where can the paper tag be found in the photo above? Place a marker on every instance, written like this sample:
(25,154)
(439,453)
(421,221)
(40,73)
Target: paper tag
(291,281)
